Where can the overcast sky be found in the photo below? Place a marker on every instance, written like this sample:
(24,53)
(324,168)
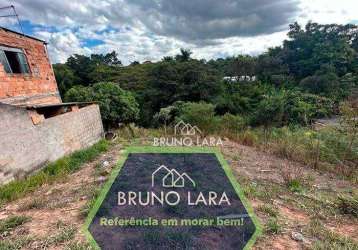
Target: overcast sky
(142,30)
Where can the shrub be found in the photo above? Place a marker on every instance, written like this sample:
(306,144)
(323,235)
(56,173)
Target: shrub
(270,110)
(116,104)
(200,114)
(232,124)
(248,138)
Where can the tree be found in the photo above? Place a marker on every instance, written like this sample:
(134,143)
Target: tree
(309,48)
(244,65)
(270,112)
(65,77)
(167,59)
(165,116)
(325,84)
(184,55)
(168,82)
(81,66)
(116,104)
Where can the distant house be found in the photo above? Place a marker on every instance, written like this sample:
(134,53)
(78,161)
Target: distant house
(35,126)
(234,79)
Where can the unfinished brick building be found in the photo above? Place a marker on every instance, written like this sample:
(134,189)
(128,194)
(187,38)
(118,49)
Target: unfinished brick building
(35,126)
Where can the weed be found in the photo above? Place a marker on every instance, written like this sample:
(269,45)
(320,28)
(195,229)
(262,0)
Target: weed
(273,226)
(248,138)
(268,191)
(236,157)
(15,244)
(269,210)
(250,190)
(78,246)
(295,186)
(293,178)
(36,203)
(93,194)
(65,234)
(327,239)
(12,222)
(51,172)
(348,205)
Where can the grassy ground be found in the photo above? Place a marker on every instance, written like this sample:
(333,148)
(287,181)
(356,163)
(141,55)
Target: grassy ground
(299,206)
(54,171)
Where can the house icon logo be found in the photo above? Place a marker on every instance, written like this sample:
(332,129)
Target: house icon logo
(182,128)
(171,178)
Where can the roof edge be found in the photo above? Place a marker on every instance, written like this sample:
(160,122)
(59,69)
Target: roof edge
(21,34)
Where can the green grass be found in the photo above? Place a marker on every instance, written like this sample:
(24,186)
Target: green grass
(78,246)
(92,195)
(269,210)
(295,186)
(325,149)
(64,235)
(12,222)
(327,239)
(15,244)
(273,226)
(51,172)
(348,205)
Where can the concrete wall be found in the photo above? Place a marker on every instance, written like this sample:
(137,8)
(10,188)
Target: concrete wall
(25,147)
(39,86)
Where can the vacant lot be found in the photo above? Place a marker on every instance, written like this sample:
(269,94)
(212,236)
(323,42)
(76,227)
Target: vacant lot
(299,208)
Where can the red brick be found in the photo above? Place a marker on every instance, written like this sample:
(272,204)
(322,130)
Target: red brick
(17,84)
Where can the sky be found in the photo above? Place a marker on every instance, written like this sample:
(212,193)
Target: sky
(140,30)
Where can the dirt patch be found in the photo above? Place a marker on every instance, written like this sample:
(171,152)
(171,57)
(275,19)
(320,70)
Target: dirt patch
(259,165)
(278,242)
(294,215)
(345,229)
(61,202)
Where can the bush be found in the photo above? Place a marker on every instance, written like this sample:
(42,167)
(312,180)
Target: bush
(116,104)
(200,114)
(232,123)
(270,110)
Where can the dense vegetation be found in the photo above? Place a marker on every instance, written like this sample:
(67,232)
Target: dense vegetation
(306,78)
(303,79)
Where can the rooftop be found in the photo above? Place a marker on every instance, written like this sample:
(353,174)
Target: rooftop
(21,34)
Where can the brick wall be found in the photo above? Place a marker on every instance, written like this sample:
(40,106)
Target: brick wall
(37,87)
(25,147)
